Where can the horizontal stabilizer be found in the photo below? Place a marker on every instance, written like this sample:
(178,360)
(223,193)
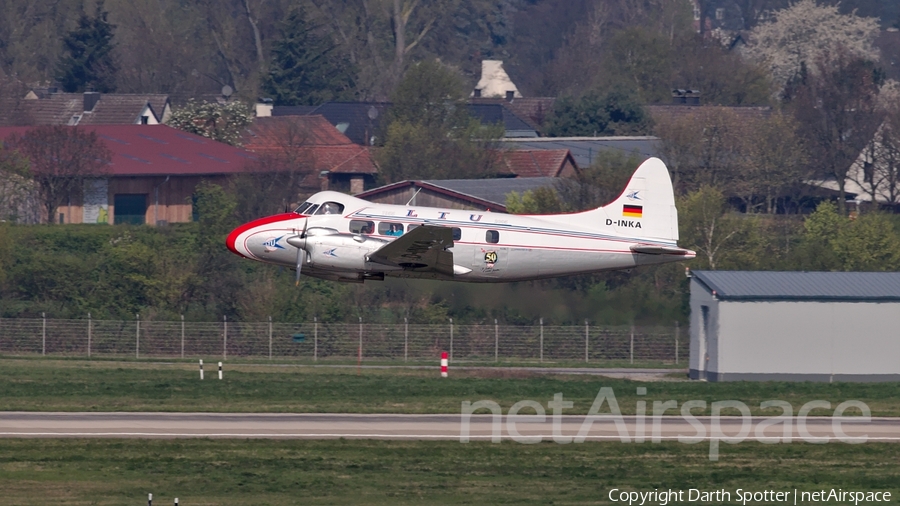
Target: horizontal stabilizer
(650,249)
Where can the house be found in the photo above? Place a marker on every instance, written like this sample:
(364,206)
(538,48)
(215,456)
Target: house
(315,147)
(499,114)
(358,121)
(584,150)
(48,107)
(152,175)
(795,326)
(363,122)
(474,194)
(495,82)
(531,163)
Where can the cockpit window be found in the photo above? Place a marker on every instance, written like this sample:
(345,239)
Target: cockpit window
(312,210)
(331,208)
(302,207)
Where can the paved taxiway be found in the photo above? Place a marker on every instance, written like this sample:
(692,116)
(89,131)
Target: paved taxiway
(409,427)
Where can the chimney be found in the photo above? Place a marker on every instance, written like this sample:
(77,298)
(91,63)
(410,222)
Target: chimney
(90,100)
(264,108)
(510,95)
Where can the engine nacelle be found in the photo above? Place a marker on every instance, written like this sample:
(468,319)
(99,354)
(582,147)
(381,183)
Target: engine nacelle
(341,252)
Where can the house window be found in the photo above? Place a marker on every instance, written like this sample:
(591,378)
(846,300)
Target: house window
(130,208)
(720,14)
(388,228)
(492,236)
(362,227)
(145,120)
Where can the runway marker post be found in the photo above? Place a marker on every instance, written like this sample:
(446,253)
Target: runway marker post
(220,370)
(176,501)
(149,499)
(201,369)
(443,364)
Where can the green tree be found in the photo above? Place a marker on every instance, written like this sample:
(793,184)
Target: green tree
(831,241)
(720,237)
(87,60)
(220,122)
(306,67)
(538,201)
(616,112)
(430,134)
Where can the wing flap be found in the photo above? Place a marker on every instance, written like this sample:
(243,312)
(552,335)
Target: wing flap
(422,249)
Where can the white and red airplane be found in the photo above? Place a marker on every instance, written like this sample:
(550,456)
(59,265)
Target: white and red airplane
(339,237)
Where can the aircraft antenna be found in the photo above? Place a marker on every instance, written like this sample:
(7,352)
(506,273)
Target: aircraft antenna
(414,196)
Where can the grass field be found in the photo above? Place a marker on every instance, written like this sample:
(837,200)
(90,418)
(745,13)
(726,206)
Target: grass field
(207,472)
(50,385)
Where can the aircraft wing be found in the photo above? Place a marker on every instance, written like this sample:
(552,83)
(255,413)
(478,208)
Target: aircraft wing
(423,248)
(650,249)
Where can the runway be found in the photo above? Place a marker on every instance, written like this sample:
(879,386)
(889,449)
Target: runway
(442,427)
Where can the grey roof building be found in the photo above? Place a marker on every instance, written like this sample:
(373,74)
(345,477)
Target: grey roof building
(803,326)
(586,149)
(479,194)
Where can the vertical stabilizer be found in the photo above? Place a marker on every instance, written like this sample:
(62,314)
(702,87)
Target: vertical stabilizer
(644,210)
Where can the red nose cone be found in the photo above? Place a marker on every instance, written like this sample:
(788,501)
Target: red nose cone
(232,238)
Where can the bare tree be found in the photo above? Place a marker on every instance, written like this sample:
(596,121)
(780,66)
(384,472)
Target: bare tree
(839,114)
(774,161)
(61,158)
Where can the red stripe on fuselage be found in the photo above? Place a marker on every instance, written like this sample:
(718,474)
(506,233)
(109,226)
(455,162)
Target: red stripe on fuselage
(232,237)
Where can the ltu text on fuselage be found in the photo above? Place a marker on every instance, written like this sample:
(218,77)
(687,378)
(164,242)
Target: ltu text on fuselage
(339,237)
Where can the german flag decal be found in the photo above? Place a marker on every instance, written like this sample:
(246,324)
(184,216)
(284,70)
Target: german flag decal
(632,211)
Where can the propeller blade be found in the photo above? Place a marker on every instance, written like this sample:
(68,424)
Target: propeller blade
(301,253)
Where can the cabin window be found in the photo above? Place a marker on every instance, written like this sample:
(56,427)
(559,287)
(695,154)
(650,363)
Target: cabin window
(331,208)
(302,207)
(362,227)
(457,234)
(411,227)
(492,236)
(388,228)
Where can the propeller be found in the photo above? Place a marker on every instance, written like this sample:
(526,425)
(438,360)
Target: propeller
(301,253)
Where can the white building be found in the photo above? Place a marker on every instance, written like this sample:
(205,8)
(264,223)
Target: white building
(796,326)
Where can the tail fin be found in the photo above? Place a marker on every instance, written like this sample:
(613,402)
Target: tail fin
(645,210)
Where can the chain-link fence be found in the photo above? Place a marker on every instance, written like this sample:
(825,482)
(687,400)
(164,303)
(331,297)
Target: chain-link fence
(314,341)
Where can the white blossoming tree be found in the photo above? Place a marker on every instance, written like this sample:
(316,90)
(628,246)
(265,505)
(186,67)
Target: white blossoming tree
(805,32)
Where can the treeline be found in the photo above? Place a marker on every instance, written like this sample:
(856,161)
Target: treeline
(360,49)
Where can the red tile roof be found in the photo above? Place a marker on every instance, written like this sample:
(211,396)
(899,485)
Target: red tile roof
(115,108)
(537,162)
(160,150)
(274,132)
(312,138)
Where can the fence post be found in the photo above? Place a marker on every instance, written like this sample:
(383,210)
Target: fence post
(406,339)
(587,334)
(43,334)
(451,340)
(496,342)
(224,337)
(182,336)
(542,340)
(631,351)
(359,357)
(315,338)
(137,335)
(89,335)
(270,339)
(676,342)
